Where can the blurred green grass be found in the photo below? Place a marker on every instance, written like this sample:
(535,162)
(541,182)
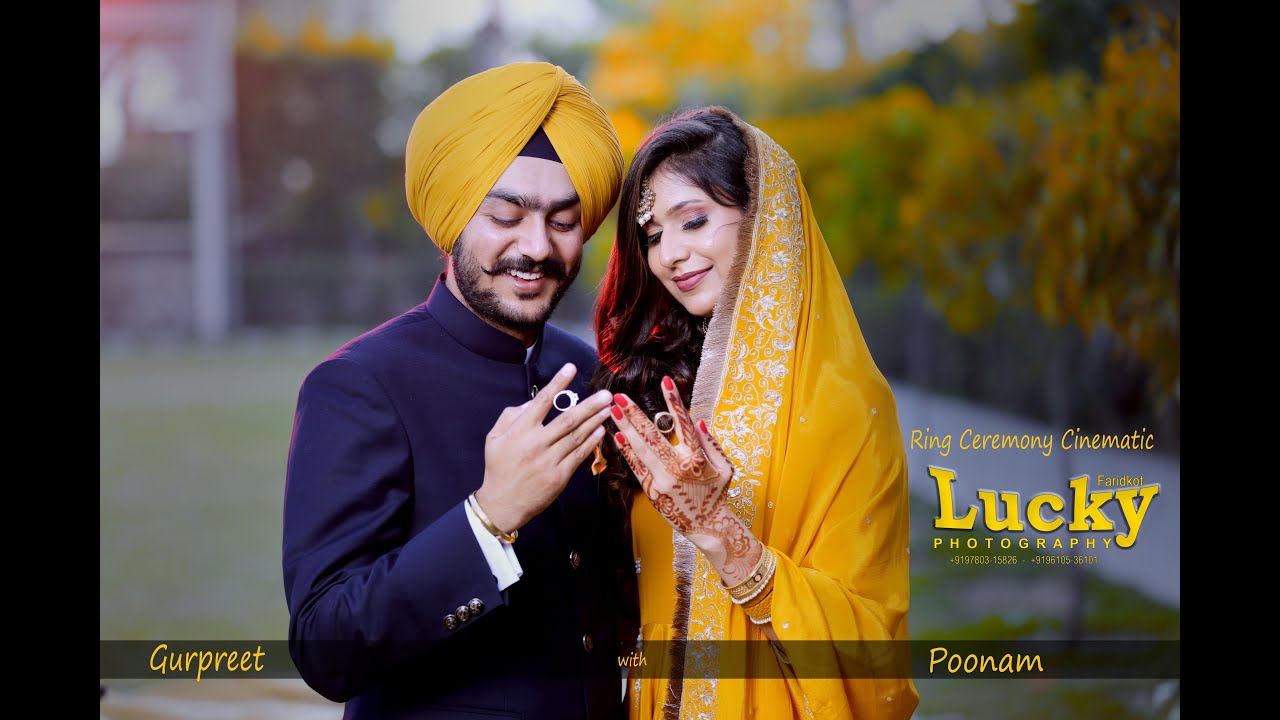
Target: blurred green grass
(193,444)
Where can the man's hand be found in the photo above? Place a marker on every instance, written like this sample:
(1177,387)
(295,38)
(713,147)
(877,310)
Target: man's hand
(527,464)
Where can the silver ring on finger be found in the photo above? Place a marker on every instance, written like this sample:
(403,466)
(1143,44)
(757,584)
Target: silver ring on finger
(571,399)
(665,422)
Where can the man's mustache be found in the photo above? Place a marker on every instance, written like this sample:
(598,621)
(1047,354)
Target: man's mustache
(549,268)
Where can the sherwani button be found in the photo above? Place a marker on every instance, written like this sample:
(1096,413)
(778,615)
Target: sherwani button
(463,613)
(451,622)
(475,606)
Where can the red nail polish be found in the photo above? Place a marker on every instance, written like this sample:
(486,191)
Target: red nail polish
(621,400)
(620,438)
(668,383)
(702,425)
(617,412)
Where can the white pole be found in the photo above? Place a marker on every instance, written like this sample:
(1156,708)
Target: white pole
(211,251)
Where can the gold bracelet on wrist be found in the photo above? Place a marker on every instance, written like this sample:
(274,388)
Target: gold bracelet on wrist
(488,524)
(760,595)
(755,594)
(759,577)
(761,609)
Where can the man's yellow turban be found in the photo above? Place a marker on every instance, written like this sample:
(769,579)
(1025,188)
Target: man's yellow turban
(464,140)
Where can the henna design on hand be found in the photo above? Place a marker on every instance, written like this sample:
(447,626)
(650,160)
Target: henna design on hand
(683,472)
(663,501)
(687,482)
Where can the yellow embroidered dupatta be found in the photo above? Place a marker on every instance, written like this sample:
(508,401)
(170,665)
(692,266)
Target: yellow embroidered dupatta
(789,388)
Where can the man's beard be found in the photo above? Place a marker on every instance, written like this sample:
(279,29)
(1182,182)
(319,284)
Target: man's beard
(488,305)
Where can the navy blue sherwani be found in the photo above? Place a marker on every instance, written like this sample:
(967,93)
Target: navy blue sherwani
(388,442)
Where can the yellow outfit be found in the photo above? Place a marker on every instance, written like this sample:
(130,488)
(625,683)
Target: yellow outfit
(789,388)
(464,140)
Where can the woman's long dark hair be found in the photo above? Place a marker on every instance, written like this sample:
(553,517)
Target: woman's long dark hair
(642,332)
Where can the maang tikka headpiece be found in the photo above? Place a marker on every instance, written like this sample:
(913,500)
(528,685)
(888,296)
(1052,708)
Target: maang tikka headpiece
(644,212)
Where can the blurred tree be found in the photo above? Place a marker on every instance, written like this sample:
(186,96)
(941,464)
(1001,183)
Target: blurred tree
(574,56)
(312,172)
(308,111)
(1107,223)
(1023,167)
(751,55)
(1045,37)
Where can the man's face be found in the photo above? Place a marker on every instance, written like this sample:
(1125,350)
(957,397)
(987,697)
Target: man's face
(517,256)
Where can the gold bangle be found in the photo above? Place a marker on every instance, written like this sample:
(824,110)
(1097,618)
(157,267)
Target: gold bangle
(759,577)
(753,580)
(761,611)
(488,524)
(761,595)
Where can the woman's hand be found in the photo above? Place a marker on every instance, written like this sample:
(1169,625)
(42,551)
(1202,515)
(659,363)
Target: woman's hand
(686,482)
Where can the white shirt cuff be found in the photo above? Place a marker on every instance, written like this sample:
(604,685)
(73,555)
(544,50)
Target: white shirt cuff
(501,556)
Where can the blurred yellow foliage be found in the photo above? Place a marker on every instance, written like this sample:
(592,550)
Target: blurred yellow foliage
(313,38)
(259,36)
(377,210)
(631,128)
(1108,226)
(1058,193)
(757,48)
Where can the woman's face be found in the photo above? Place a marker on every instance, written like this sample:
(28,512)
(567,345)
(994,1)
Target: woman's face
(693,242)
